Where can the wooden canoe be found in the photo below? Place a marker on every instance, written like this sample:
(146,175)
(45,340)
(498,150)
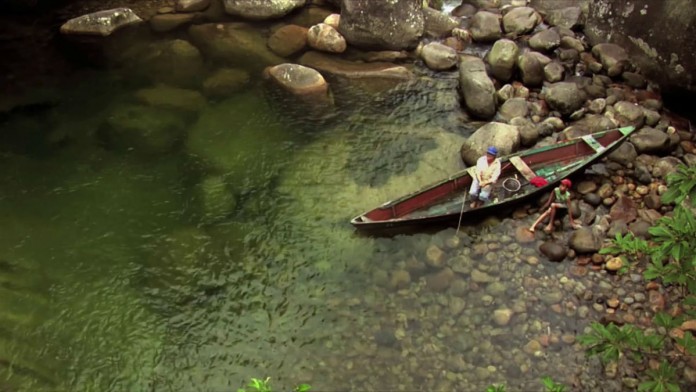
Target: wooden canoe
(442,202)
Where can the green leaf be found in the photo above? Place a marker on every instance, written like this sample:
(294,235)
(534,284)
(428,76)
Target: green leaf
(303,388)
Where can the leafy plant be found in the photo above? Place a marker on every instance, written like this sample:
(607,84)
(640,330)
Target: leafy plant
(628,244)
(258,385)
(680,185)
(612,343)
(552,386)
(662,379)
(496,388)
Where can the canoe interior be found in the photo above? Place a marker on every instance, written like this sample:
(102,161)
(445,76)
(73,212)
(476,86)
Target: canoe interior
(445,198)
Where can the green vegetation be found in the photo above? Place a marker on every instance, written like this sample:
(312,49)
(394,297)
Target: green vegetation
(670,255)
(671,251)
(258,385)
(549,386)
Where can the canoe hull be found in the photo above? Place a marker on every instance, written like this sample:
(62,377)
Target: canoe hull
(399,216)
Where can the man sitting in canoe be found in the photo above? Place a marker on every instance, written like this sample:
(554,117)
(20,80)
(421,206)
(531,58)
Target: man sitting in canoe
(486,174)
(559,198)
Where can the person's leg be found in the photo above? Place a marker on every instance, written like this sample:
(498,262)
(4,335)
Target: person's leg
(549,227)
(474,192)
(485,195)
(539,219)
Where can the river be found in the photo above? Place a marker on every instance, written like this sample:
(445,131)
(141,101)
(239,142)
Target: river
(114,278)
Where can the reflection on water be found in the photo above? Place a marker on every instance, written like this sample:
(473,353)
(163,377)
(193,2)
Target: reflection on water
(197,262)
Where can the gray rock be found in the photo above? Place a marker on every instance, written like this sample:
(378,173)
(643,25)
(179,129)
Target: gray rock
(564,97)
(393,25)
(437,24)
(225,82)
(665,166)
(438,56)
(634,80)
(650,140)
(569,17)
(545,40)
(502,58)
(521,20)
(572,43)
(485,27)
(597,106)
(553,250)
(584,240)
(515,107)
(529,134)
(261,9)
(629,114)
(624,154)
(554,72)
(505,137)
(531,69)
(640,229)
(624,210)
(613,57)
(476,87)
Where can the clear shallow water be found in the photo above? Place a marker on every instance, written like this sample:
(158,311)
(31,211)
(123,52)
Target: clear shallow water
(115,278)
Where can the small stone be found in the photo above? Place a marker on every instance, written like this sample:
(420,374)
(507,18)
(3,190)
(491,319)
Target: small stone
(568,339)
(400,279)
(435,257)
(614,264)
(583,311)
(613,303)
(532,347)
(502,317)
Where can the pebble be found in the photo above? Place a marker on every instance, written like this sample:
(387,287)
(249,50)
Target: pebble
(598,307)
(583,311)
(502,317)
(532,347)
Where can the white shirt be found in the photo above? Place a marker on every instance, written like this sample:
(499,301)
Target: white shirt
(486,172)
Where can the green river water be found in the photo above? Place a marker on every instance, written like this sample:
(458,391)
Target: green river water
(113,277)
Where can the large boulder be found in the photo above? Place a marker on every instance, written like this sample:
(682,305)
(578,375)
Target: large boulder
(565,97)
(225,82)
(476,87)
(658,37)
(192,5)
(174,98)
(438,56)
(521,20)
(502,58)
(485,27)
(261,9)
(650,141)
(174,62)
(503,136)
(394,25)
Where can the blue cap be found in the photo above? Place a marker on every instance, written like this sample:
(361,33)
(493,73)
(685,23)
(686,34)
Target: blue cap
(492,150)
